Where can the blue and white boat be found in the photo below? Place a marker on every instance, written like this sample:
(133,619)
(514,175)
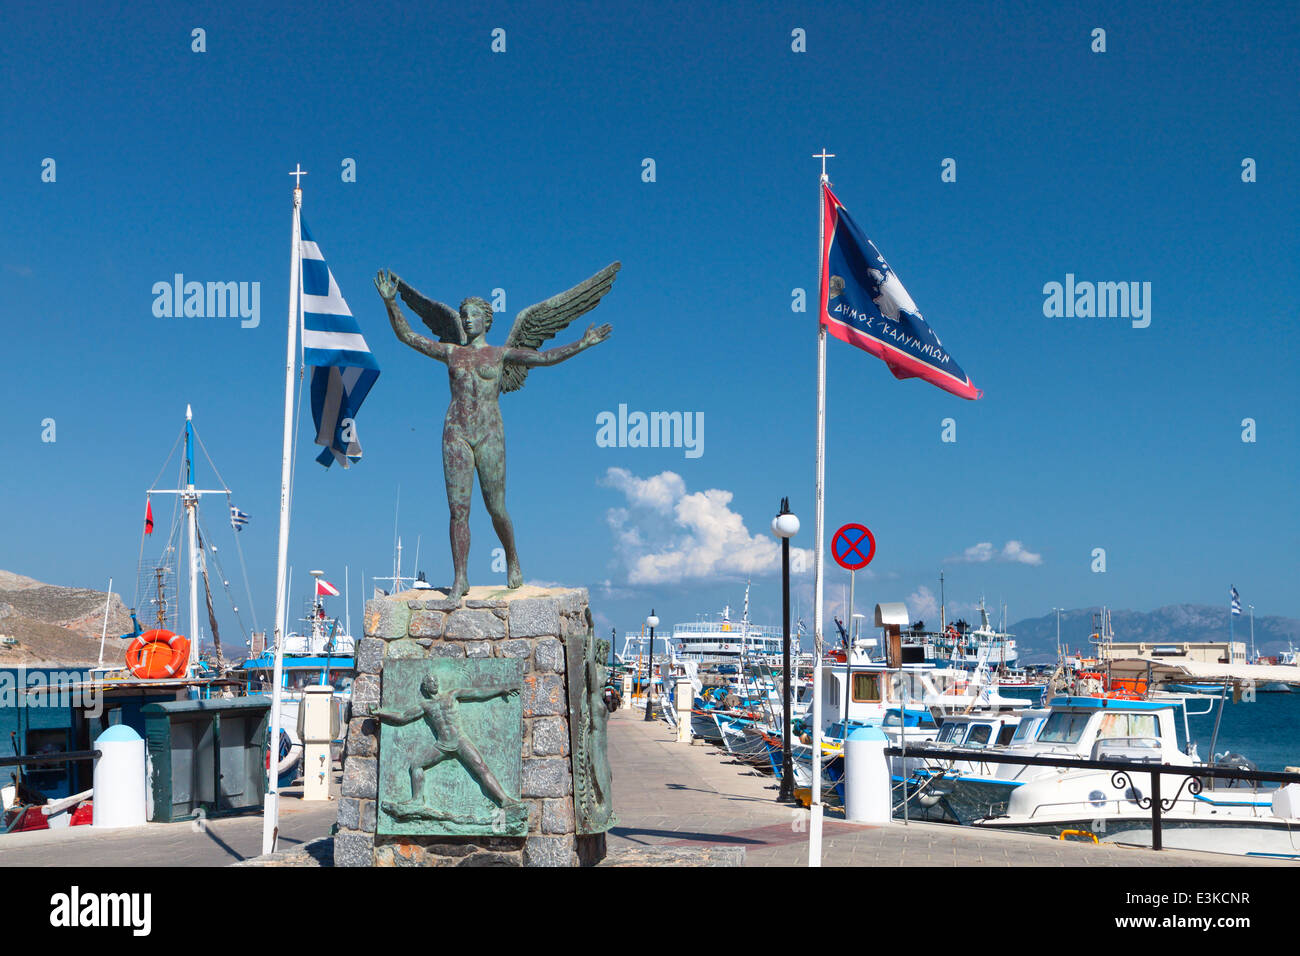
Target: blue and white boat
(1109,806)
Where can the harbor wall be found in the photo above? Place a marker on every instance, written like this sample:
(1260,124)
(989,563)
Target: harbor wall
(529,625)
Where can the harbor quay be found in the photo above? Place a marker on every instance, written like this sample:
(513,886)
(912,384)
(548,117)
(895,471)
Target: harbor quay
(676,804)
(187,843)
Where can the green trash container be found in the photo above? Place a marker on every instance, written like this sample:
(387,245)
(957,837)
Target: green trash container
(206,757)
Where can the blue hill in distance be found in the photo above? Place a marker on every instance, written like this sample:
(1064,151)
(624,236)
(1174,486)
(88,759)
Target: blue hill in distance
(1036,636)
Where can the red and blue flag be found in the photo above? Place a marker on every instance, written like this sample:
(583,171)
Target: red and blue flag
(864,303)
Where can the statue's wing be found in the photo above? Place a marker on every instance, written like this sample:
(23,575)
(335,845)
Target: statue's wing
(442,320)
(537,323)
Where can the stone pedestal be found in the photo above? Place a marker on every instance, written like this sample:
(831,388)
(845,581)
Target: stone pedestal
(547,632)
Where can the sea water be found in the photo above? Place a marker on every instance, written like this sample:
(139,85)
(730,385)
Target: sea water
(1265,731)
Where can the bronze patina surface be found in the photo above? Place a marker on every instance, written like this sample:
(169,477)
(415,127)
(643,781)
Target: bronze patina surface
(593,803)
(473,437)
(449,748)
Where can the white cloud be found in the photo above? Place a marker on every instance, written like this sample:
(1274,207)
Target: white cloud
(1013,551)
(659,492)
(921,604)
(666,535)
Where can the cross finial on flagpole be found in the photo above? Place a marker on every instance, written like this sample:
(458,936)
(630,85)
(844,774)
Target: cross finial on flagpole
(823,156)
(298,172)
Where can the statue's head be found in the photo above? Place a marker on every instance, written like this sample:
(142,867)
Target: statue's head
(429,685)
(476,316)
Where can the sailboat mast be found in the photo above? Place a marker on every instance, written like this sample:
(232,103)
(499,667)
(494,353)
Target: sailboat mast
(191,520)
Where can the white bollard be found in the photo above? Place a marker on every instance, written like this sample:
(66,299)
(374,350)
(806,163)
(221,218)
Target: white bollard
(866,789)
(119,779)
(684,698)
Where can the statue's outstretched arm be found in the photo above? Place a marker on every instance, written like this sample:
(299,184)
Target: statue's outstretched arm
(397,716)
(469,693)
(386,283)
(533,358)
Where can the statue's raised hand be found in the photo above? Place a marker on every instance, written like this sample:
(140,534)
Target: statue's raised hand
(595,335)
(386,283)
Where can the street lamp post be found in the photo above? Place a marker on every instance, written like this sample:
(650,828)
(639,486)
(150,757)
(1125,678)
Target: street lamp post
(651,622)
(785,526)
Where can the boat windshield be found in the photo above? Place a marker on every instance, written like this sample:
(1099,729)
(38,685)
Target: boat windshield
(1129,726)
(947,732)
(1027,730)
(1064,727)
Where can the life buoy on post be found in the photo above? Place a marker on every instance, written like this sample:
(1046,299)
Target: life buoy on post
(158,654)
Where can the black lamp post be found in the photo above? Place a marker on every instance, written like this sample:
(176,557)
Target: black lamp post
(785,526)
(651,622)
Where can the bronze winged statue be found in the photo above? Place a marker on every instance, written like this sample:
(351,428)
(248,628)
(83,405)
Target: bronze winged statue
(473,437)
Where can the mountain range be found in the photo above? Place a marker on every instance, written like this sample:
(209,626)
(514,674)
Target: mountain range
(1036,636)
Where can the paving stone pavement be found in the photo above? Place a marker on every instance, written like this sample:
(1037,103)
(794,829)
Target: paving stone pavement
(672,794)
(218,842)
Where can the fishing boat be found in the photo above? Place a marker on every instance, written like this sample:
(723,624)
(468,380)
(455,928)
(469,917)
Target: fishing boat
(959,645)
(56,711)
(322,654)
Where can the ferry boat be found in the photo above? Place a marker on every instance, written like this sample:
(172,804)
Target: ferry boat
(720,641)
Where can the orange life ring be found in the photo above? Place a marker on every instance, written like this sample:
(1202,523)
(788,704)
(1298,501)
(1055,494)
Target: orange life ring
(158,654)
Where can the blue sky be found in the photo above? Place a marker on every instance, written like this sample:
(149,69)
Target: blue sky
(523,170)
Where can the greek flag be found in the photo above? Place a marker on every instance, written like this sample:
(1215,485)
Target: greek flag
(237,518)
(342,368)
(1236,602)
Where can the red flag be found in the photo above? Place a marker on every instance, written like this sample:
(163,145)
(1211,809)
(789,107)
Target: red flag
(324,588)
(148,517)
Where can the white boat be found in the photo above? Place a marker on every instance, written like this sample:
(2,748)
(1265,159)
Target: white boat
(1115,806)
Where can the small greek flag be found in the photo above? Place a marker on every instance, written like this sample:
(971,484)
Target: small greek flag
(1236,602)
(237,518)
(342,368)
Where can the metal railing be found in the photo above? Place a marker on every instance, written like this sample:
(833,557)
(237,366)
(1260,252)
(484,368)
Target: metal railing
(36,759)
(1121,771)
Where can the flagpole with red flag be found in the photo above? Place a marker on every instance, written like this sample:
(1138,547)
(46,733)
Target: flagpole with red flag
(873,311)
(815,807)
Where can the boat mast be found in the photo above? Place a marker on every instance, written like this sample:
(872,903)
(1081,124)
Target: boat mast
(943,623)
(191,501)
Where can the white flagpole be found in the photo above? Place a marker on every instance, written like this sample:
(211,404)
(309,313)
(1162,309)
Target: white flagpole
(815,824)
(271,808)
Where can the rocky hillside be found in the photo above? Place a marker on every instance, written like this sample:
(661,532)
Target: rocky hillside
(56,625)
